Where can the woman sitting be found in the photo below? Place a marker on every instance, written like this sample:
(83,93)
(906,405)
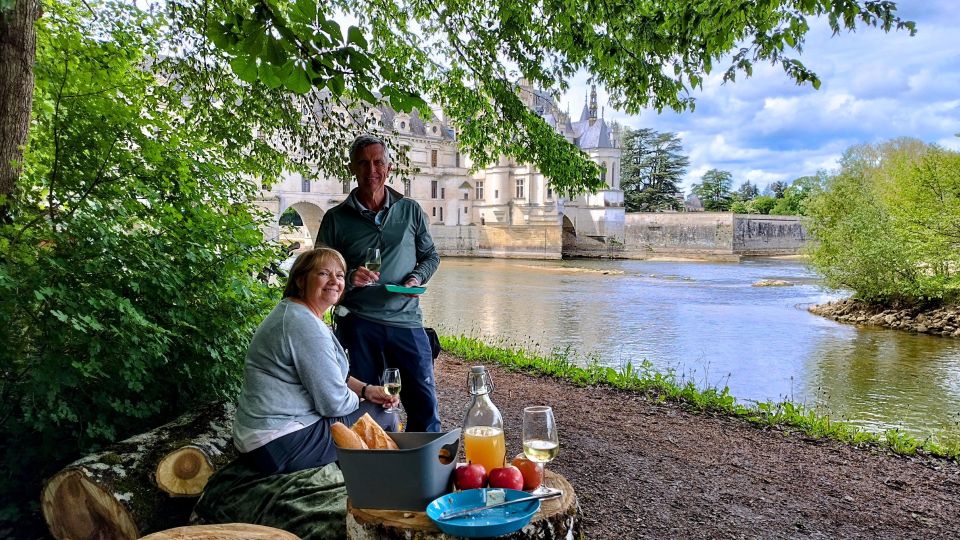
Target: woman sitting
(295,382)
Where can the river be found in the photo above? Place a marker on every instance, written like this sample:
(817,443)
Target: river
(707,323)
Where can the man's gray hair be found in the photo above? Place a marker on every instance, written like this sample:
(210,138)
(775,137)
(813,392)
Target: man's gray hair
(365,140)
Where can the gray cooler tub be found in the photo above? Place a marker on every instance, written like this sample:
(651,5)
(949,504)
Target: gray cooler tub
(404,479)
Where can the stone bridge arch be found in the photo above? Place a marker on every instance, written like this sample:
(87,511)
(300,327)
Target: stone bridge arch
(310,214)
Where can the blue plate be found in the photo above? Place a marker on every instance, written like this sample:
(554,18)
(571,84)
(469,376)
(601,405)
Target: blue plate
(486,523)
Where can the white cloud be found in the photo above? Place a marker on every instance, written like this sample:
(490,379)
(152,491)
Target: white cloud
(875,87)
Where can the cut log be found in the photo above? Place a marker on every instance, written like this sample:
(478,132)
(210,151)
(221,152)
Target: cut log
(184,472)
(113,494)
(229,531)
(557,518)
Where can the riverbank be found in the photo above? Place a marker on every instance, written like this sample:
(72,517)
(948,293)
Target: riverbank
(942,321)
(645,468)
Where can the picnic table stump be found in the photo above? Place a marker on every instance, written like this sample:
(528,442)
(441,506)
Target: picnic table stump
(229,531)
(557,518)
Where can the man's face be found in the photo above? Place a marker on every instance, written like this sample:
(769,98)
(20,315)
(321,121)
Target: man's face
(371,168)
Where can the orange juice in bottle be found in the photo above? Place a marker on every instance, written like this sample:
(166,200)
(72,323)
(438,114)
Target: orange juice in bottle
(486,446)
(483,440)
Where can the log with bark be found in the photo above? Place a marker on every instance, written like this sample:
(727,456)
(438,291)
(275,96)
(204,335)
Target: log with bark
(144,483)
(557,518)
(229,531)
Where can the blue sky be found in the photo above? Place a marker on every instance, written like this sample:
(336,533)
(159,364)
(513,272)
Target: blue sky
(876,87)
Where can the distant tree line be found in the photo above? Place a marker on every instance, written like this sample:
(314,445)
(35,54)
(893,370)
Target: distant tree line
(653,165)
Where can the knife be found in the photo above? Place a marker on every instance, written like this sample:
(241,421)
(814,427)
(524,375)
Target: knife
(467,511)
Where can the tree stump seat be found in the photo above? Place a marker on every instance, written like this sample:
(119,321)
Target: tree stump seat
(229,531)
(557,518)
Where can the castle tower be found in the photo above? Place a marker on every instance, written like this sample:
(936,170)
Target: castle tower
(593,103)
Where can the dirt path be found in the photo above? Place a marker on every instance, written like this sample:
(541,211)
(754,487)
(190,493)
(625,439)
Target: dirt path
(645,470)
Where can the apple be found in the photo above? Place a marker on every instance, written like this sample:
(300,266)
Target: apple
(508,477)
(470,476)
(532,472)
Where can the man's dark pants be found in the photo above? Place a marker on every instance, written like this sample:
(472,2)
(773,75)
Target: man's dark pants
(372,347)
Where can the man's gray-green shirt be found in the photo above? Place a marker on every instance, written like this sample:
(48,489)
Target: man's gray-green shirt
(406,250)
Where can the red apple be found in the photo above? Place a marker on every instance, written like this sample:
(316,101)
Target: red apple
(508,477)
(532,472)
(470,476)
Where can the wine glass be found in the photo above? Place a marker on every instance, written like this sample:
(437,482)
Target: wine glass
(391,384)
(372,262)
(540,440)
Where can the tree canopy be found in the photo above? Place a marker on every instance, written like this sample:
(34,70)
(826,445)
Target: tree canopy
(469,56)
(714,190)
(888,223)
(651,167)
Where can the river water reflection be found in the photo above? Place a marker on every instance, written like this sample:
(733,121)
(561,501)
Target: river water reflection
(709,324)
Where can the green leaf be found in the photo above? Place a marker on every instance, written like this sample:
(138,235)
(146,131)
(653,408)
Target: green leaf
(245,67)
(268,75)
(298,81)
(304,12)
(274,52)
(252,44)
(221,36)
(336,84)
(355,36)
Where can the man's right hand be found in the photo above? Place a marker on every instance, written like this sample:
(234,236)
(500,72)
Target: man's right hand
(362,277)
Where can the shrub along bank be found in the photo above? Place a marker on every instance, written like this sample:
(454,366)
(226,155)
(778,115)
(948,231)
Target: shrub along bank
(644,379)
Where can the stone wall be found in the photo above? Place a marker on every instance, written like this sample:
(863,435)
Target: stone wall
(500,241)
(689,233)
(711,234)
(768,235)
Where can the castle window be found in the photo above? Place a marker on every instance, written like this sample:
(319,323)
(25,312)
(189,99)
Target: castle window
(496,194)
(479,191)
(406,188)
(433,189)
(458,159)
(466,195)
(443,193)
(305,185)
(549,192)
(434,211)
(519,188)
(433,158)
(603,171)
(441,213)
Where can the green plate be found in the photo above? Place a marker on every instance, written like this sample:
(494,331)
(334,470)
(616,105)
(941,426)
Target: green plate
(405,290)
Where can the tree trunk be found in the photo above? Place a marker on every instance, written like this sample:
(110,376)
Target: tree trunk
(115,493)
(18,48)
(230,531)
(557,518)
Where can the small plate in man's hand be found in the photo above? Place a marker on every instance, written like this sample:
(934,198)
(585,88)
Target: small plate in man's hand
(399,289)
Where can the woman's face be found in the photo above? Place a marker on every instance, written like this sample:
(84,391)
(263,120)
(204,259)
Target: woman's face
(324,283)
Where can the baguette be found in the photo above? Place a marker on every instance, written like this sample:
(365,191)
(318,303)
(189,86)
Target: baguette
(372,434)
(343,437)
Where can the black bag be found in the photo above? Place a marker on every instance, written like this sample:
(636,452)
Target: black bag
(434,342)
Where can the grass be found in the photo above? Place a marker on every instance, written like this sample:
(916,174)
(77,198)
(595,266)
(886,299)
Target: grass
(644,379)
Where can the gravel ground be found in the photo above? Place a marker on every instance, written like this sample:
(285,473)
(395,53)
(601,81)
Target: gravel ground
(651,470)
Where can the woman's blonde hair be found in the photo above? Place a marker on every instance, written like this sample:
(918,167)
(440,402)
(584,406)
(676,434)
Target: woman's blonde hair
(305,263)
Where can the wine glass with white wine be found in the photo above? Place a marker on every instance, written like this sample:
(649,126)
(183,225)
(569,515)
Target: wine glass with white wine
(372,262)
(540,440)
(391,384)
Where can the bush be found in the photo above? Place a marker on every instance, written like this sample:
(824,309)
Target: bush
(127,278)
(888,224)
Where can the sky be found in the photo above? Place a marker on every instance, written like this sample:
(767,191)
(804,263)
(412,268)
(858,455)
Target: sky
(875,87)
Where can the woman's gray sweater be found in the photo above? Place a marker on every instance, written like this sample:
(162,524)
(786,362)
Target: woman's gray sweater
(295,371)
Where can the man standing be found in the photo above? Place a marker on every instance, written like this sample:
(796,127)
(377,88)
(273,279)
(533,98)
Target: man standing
(378,328)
